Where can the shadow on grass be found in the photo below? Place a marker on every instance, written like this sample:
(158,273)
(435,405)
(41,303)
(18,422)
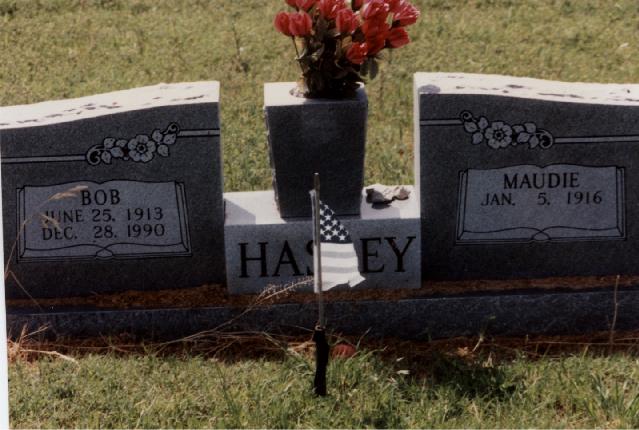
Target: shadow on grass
(471,378)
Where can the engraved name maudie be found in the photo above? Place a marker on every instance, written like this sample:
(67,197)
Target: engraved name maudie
(529,203)
(115,219)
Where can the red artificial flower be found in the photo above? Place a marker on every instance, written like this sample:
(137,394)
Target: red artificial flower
(282,22)
(376,44)
(329,8)
(292,3)
(356,54)
(398,37)
(376,33)
(375,9)
(300,24)
(373,27)
(305,4)
(357,4)
(346,21)
(407,14)
(394,5)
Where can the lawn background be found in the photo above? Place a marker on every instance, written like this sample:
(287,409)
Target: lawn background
(53,49)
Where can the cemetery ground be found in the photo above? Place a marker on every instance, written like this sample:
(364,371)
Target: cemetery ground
(54,49)
(259,381)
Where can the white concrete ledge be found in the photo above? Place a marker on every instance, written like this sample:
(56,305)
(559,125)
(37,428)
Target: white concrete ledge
(58,111)
(510,86)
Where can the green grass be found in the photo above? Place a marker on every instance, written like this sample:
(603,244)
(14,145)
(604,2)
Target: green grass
(67,48)
(370,390)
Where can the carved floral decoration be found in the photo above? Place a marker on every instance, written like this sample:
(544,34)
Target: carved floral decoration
(140,149)
(499,134)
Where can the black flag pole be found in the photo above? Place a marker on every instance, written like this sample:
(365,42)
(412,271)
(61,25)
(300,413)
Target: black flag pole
(317,255)
(319,334)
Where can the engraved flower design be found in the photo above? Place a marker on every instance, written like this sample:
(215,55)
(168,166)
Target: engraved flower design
(499,135)
(141,148)
(163,140)
(477,129)
(527,133)
(113,148)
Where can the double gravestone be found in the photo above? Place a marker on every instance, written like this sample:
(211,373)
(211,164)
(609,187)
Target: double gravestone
(523,178)
(516,179)
(113,192)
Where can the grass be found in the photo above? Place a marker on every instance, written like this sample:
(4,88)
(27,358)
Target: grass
(444,385)
(67,48)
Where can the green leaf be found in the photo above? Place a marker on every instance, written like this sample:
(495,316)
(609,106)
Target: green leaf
(365,67)
(374,68)
(321,28)
(317,54)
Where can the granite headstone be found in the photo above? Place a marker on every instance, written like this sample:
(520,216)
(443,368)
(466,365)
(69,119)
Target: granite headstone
(263,249)
(525,178)
(113,192)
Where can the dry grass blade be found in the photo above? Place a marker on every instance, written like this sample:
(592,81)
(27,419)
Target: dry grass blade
(218,333)
(70,193)
(611,338)
(8,274)
(46,221)
(51,353)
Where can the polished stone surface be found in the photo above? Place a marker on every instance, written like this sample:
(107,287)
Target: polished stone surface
(525,178)
(263,249)
(113,192)
(308,136)
(426,318)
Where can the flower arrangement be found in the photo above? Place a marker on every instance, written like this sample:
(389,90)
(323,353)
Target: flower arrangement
(338,42)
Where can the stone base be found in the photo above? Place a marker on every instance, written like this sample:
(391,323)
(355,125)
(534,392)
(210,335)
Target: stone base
(425,318)
(263,249)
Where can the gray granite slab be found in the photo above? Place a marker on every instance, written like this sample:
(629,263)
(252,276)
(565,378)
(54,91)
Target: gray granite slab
(425,318)
(308,136)
(524,178)
(263,249)
(113,192)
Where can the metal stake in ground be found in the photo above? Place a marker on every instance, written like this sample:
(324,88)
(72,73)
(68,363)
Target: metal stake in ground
(319,335)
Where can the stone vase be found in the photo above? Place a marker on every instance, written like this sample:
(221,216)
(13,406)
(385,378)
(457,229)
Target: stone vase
(315,135)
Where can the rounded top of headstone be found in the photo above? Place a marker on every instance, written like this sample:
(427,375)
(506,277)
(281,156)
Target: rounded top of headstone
(58,111)
(511,86)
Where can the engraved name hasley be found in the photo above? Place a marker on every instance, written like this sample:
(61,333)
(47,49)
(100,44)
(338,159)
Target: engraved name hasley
(529,203)
(115,219)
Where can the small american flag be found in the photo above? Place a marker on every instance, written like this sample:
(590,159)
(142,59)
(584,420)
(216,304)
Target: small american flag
(339,259)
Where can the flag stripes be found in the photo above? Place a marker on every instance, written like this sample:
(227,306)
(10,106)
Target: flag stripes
(339,259)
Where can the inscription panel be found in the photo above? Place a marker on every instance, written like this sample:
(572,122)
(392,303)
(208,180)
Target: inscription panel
(114,219)
(528,203)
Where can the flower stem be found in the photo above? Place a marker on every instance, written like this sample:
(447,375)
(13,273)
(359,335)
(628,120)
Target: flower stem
(297,52)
